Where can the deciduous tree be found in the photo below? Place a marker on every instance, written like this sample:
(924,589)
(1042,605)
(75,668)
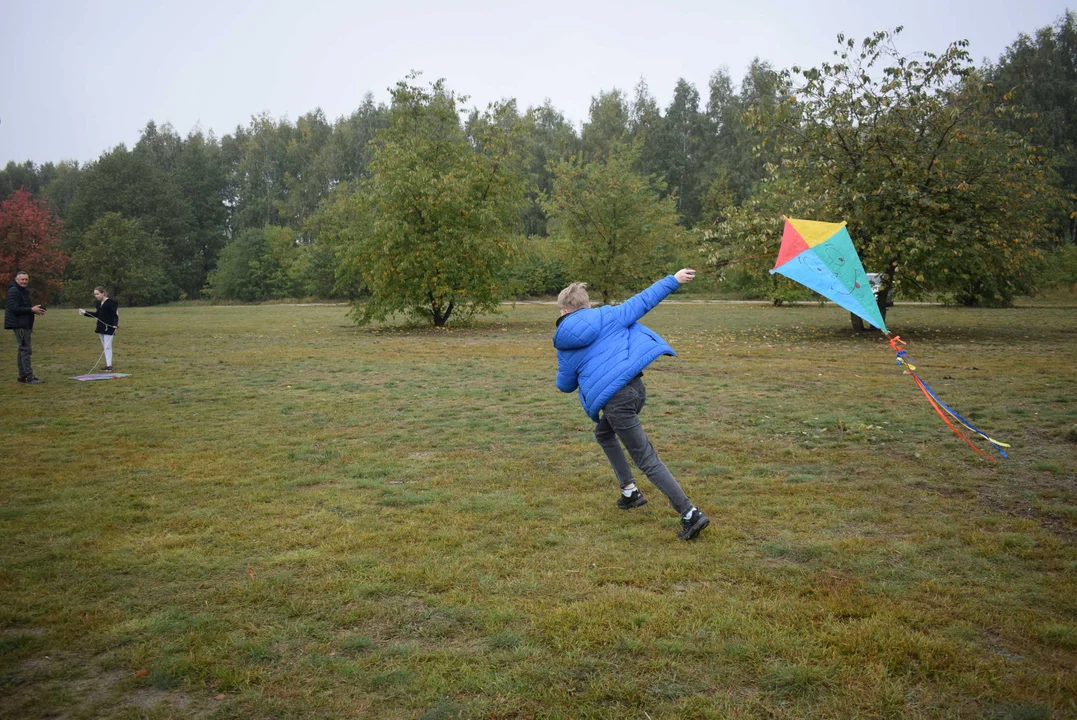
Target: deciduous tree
(1039,75)
(19,177)
(685,127)
(30,241)
(613,228)
(119,254)
(607,125)
(937,197)
(439,213)
(547,138)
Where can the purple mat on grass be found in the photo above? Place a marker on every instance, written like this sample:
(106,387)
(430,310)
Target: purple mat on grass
(101,376)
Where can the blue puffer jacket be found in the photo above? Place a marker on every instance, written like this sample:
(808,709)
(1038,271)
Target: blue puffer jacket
(600,350)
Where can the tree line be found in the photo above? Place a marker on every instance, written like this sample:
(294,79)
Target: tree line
(957,181)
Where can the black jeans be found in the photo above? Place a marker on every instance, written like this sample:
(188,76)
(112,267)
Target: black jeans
(22,340)
(619,423)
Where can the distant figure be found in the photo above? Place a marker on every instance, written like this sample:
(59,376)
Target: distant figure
(19,313)
(603,352)
(108,319)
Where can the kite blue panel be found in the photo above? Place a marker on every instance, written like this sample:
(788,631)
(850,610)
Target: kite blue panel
(808,270)
(839,256)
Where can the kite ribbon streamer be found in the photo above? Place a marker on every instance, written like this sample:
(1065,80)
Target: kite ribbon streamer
(938,405)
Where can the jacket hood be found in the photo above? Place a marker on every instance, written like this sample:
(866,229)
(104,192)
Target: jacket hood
(578,329)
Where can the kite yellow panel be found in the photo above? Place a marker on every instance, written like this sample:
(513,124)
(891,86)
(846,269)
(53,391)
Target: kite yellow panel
(815,232)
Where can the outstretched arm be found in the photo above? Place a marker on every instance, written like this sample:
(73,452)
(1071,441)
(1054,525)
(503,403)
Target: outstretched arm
(637,306)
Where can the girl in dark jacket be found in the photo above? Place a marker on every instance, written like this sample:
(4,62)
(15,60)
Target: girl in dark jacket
(108,319)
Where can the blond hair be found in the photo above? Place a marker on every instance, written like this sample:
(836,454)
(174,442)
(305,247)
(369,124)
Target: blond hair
(574,297)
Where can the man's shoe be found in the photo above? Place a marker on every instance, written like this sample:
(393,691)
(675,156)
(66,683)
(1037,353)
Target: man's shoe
(693,525)
(108,368)
(634,500)
(22,379)
(33,380)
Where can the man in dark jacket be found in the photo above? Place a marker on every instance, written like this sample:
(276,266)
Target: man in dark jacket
(602,353)
(19,314)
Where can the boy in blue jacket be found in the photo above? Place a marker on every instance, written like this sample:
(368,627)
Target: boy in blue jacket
(603,352)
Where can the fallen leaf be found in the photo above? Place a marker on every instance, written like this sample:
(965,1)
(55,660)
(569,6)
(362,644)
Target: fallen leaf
(219,697)
(142,673)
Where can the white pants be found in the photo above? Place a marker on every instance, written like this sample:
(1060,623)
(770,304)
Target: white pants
(106,343)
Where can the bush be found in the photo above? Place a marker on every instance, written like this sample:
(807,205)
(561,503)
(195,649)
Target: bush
(535,271)
(256,266)
(1059,269)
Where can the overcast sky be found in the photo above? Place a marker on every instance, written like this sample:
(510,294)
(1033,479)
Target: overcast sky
(84,75)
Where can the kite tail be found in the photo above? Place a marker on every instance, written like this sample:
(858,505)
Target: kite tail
(938,405)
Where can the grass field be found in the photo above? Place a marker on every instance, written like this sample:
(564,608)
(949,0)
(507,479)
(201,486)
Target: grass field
(279,515)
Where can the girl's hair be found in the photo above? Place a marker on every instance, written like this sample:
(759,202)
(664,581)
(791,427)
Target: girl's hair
(574,297)
(101,290)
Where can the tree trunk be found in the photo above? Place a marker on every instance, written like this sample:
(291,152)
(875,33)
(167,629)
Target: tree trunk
(437,316)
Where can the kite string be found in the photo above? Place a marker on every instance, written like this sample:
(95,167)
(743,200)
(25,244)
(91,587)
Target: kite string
(99,358)
(743,259)
(87,313)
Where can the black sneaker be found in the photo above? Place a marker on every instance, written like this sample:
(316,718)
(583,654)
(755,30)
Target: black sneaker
(33,380)
(634,500)
(22,379)
(693,525)
(108,368)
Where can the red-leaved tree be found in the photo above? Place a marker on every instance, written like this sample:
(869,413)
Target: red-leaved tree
(30,241)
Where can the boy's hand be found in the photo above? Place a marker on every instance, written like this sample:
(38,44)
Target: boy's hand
(685,275)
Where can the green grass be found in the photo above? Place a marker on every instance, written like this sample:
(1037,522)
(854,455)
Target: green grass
(281,515)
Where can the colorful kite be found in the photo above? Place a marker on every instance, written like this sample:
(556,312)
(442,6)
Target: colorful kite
(820,255)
